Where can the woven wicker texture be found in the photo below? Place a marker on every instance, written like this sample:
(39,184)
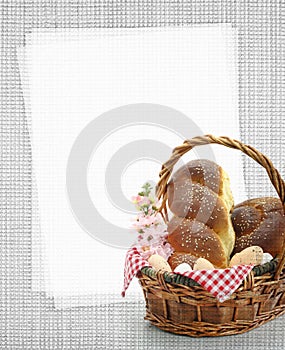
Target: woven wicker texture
(175,304)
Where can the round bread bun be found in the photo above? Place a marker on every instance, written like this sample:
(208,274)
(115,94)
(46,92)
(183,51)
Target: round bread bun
(259,222)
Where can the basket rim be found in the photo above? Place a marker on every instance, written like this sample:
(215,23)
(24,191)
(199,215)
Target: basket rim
(174,278)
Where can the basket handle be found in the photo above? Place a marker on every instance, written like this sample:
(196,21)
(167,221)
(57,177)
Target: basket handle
(178,152)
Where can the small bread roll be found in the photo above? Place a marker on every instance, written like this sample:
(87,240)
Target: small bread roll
(251,255)
(203,264)
(159,263)
(184,267)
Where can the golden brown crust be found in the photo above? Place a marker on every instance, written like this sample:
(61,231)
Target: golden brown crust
(178,258)
(193,237)
(200,199)
(261,222)
(202,171)
(195,201)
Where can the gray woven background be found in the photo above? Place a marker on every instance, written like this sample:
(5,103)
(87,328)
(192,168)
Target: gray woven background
(28,320)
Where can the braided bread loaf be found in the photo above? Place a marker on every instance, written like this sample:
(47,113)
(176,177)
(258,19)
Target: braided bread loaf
(261,222)
(200,198)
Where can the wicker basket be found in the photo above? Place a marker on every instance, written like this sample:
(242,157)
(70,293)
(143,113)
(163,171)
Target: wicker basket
(177,304)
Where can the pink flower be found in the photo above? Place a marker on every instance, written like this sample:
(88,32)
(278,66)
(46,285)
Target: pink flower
(144,201)
(149,224)
(136,199)
(163,249)
(146,220)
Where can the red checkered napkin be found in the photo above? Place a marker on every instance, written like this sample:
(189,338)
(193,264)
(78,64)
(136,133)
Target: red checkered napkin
(133,264)
(221,283)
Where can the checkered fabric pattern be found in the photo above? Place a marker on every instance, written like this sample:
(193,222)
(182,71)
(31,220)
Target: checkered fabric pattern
(133,264)
(221,283)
